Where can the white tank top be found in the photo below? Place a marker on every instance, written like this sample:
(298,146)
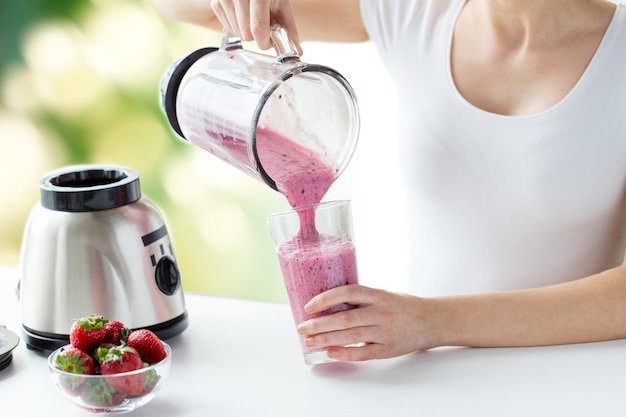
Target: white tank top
(503,202)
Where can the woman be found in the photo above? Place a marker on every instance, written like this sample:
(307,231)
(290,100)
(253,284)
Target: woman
(513,141)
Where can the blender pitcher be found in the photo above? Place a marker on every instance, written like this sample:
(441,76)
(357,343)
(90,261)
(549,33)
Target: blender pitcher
(228,100)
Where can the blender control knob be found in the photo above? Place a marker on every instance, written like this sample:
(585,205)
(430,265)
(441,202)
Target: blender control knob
(167,275)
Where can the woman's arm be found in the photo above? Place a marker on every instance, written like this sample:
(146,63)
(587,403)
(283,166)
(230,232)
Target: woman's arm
(585,310)
(320,20)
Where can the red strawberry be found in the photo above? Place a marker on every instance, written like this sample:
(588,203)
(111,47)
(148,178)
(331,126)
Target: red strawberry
(148,345)
(116,331)
(88,332)
(120,359)
(74,361)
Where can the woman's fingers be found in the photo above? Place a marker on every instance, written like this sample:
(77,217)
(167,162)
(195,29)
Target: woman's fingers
(259,23)
(381,325)
(349,324)
(235,16)
(345,294)
(224,17)
(251,19)
(357,325)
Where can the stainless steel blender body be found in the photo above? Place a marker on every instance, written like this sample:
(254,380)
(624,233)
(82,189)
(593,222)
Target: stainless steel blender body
(95,245)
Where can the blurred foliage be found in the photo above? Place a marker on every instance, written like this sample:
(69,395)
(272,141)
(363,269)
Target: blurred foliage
(79,84)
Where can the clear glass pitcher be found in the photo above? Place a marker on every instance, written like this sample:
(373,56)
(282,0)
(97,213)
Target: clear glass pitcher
(226,99)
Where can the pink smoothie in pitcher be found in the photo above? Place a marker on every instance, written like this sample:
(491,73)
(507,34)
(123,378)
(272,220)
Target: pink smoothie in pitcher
(299,174)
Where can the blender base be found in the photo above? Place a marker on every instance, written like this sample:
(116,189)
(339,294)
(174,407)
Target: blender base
(37,340)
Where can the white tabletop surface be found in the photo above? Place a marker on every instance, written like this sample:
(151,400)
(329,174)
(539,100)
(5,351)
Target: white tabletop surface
(242,358)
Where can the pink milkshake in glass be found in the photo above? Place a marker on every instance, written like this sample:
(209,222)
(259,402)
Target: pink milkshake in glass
(316,252)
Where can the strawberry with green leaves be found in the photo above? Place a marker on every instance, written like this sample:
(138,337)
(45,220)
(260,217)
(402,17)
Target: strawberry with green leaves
(98,393)
(150,379)
(148,344)
(116,360)
(74,361)
(88,332)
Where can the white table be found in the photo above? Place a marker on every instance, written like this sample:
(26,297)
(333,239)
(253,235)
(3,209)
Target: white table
(242,358)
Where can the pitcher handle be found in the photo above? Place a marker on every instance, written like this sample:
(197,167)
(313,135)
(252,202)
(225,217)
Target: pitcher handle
(285,49)
(230,43)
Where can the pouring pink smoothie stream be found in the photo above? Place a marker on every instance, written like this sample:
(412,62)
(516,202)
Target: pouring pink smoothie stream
(311,262)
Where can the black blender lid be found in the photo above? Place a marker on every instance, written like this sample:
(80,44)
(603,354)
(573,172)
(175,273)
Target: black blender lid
(89,188)
(8,342)
(170,84)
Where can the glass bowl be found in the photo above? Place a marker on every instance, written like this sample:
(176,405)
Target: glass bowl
(96,393)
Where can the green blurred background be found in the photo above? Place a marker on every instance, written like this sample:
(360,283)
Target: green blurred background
(79,83)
